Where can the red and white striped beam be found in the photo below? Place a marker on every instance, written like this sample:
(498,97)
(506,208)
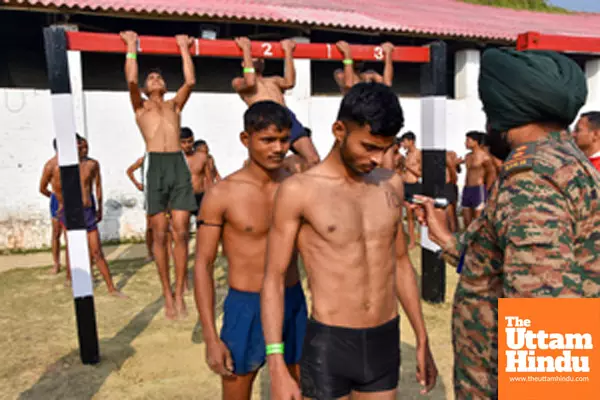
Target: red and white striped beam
(112,43)
(563,44)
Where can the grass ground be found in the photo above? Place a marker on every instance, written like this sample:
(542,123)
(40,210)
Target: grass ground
(144,356)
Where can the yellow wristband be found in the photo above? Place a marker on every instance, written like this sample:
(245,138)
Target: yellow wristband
(249,70)
(348,61)
(274,348)
(133,56)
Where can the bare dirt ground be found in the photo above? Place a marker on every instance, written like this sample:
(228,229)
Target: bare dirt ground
(144,356)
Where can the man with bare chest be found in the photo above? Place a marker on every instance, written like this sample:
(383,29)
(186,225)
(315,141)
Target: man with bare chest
(411,177)
(89,171)
(451,189)
(238,211)
(481,174)
(198,164)
(254,86)
(345,215)
(167,178)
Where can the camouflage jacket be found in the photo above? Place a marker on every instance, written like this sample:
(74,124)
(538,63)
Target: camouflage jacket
(538,236)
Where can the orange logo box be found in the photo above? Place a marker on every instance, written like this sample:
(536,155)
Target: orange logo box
(549,348)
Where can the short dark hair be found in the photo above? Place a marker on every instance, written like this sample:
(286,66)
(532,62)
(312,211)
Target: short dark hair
(263,114)
(153,70)
(199,143)
(374,104)
(79,137)
(593,118)
(397,141)
(408,136)
(54,144)
(185,133)
(477,136)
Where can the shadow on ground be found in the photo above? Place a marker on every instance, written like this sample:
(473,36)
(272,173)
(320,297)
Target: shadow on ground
(62,379)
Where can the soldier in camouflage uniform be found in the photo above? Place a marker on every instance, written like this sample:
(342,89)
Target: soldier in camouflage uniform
(539,234)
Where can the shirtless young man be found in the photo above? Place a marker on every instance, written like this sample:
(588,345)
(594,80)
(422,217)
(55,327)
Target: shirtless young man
(238,210)
(167,177)
(345,215)
(89,171)
(353,74)
(198,163)
(481,175)
(57,230)
(451,189)
(410,177)
(212,175)
(253,87)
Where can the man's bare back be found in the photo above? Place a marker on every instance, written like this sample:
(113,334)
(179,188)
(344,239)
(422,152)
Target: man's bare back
(88,170)
(267,88)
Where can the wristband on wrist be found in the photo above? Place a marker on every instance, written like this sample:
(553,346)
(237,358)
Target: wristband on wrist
(249,70)
(133,56)
(348,61)
(274,348)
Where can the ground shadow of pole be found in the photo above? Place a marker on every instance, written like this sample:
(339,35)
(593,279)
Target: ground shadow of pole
(408,388)
(62,380)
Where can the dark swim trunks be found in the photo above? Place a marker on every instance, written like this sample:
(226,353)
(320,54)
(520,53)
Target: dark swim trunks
(53,206)
(474,196)
(451,192)
(336,360)
(242,328)
(298,130)
(89,218)
(199,197)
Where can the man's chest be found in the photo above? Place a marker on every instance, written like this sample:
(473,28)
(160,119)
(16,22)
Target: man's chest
(251,211)
(349,216)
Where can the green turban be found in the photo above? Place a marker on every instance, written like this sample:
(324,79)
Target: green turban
(522,87)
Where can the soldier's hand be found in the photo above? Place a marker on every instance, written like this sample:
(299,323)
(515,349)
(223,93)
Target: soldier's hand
(387,47)
(129,37)
(434,218)
(184,41)
(426,370)
(242,42)
(344,48)
(288,45)
(219,358)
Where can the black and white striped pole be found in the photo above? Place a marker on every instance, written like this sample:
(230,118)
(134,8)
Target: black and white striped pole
(55,43)
(433,131)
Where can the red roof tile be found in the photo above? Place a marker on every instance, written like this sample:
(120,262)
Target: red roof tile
(430,17)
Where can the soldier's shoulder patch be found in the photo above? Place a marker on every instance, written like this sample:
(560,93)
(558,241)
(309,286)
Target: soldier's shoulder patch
(521,159)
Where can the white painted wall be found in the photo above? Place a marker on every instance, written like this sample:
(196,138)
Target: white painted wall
(26,143)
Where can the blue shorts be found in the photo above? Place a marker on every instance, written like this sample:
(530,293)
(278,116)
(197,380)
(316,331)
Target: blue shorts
(89,218)
(474,196)
(242,328)
(53,206)
(298,130)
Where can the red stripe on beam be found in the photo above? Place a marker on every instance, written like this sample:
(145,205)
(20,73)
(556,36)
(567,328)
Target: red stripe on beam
(112,43)
(564,44)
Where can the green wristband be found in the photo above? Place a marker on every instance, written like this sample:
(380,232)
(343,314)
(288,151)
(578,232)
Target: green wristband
(348,61)
(274,348)
(133,56)
(249,70)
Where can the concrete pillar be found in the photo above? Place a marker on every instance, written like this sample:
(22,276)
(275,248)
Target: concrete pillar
(76,80)
(299,96)
(466,74)
(592,72)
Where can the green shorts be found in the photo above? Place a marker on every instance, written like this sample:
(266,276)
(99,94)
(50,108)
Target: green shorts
(167,183)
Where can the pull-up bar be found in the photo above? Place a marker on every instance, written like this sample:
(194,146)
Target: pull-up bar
(564,44)
(112,43)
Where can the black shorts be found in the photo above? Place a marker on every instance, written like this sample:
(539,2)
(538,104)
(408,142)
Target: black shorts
(336,360)
(451,193)
(198,197)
